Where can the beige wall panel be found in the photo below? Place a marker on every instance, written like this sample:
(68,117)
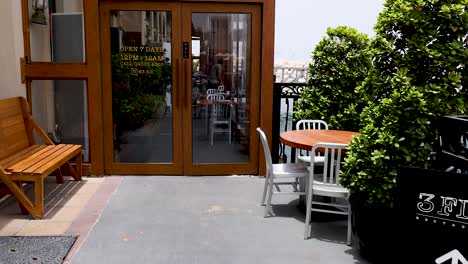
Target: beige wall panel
(11,49)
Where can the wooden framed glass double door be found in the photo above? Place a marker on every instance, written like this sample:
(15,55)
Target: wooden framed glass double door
(180,85)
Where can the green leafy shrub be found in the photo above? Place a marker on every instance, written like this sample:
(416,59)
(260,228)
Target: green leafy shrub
(137,97)
(340,62)
(419,75)
(134,112)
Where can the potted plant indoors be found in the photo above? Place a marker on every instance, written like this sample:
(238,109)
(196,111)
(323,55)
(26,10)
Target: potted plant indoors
(419,74)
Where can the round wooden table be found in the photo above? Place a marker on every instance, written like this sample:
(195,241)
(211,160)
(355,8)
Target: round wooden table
(306,139)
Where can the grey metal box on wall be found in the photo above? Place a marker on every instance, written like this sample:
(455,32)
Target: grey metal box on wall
(70,97)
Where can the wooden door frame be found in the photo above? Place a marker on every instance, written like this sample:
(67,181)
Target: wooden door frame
(110,166)
(91,72)
(255,38)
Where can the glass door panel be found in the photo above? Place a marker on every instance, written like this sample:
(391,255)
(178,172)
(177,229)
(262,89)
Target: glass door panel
(222,80)
(141,86)
(221,52)
(141,94)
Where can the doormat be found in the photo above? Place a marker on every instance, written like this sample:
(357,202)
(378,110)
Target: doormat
(34,249)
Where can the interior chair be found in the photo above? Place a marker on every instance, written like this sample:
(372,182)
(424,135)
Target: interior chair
(242,123)
(278,174)
(212,91)
(221,115)
(327,185)
(304,155)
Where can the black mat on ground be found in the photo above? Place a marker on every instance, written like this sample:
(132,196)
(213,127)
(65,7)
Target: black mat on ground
(34,249)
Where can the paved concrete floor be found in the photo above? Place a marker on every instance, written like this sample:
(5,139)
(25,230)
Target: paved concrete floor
(63,204)
(207,220)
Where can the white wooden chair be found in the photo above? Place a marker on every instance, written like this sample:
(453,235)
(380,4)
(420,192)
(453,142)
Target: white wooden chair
(212,91)
(328,185)
(221,115)
(304,155)
(276,173)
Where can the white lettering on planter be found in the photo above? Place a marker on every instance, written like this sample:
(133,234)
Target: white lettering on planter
(463,206)
(447,205)
(426,206)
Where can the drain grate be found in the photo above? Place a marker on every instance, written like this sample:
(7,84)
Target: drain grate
(35,249)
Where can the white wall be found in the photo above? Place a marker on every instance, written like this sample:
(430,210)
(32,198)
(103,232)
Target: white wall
(11,49)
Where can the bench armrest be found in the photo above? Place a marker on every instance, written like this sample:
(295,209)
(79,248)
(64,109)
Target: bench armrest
(42,134)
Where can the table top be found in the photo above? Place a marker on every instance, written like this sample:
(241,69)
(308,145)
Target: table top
(306,139)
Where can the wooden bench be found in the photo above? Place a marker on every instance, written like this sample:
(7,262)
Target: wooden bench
(22,160)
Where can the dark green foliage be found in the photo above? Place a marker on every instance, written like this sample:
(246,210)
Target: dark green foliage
(137,97)
(134,112)
(419,75)
(340,62)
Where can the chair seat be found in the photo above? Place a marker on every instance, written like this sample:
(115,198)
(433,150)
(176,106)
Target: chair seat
(320,188)
(306,159)
(288,170)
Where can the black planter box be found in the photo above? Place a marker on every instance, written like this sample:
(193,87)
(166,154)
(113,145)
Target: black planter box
(430,221)
(433,212)
(375,232)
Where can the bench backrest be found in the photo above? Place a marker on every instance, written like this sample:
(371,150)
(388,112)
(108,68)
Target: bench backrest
(15,127)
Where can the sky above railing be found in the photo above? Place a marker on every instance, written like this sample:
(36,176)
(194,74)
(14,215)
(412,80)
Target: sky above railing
(301,24)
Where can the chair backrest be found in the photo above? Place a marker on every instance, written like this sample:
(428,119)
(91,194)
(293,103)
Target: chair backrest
(215,97)
(311,124)
(221,88)
(266,149)
(211,91)
(15,128)
(333,154)
(221,110)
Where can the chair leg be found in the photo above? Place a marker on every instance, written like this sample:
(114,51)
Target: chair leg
(58,176)
(17,191)
(270,194)
(265,189)
(78,166)
(230,131)
(23,209)
(308,212)
(211,136)
(349,235)
(38,212)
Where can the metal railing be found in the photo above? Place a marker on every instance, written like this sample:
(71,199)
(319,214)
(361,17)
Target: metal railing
(285,96)
(291,74)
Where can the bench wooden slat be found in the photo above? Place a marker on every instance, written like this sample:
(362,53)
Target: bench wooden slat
(12,128)
(20,155)
(10,107)
(31,160)
(59,159)
(58,151)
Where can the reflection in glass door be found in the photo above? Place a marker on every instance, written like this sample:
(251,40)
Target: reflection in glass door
(221,52)
(141,86)
(173,112)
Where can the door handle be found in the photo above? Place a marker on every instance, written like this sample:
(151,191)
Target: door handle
(175,84)
(186,86)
